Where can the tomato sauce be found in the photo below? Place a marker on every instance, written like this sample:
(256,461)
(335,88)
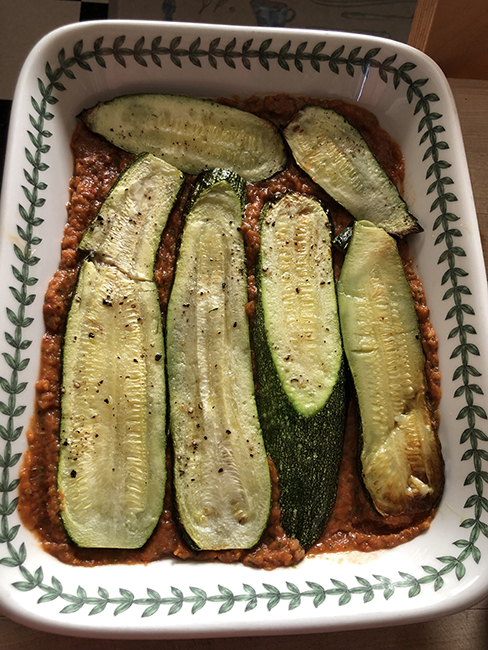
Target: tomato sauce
(354,524)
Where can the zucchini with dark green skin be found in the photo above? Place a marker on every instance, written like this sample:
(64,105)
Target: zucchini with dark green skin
(192,134)
(221,473)
(301,392)
(400,453)
(343,239)
(112,454)
(335,155)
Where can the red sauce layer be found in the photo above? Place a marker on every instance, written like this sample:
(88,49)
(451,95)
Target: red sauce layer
(354,524)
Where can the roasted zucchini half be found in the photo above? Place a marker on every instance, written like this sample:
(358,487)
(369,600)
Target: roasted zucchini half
(112,458)
(221,471)
(400,451)
(301,391)
(127,228)
(336,156)
(192,134)
(111,472)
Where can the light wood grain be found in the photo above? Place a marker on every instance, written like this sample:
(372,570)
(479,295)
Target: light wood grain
(422,23)
(471,98)
(466,630)
(454,34)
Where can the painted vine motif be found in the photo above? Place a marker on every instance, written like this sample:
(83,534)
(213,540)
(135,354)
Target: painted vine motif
(456,295)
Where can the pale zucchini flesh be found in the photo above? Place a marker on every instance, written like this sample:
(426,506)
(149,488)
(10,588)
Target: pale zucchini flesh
(299,301)
(301,396)
(221,472)
(127,229)
(112,460)
(401,458)
(191,134)
(335,155)
(111,472)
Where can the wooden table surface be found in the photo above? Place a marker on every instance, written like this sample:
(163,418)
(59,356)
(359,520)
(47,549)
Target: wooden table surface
(467,630)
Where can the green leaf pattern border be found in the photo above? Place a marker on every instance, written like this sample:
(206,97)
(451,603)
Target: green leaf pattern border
(431,130)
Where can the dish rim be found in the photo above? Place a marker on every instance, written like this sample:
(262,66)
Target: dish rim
(280,625)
